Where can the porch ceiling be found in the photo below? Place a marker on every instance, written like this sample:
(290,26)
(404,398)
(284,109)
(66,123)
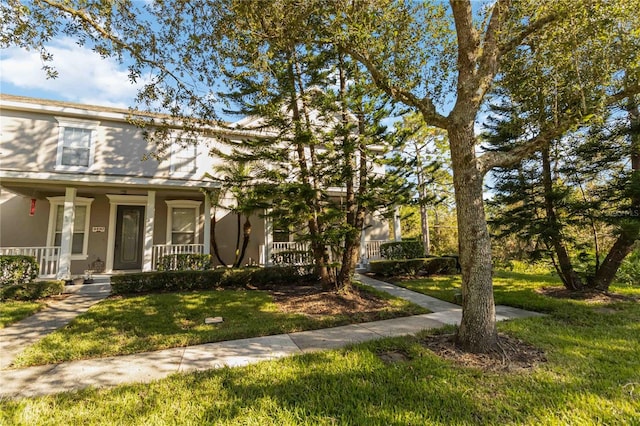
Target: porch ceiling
(43,190)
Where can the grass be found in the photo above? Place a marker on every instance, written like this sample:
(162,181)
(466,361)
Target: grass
(592,377)
(126,325)
(13,311)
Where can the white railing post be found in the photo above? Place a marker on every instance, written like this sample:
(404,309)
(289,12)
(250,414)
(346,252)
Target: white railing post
(150,214)
(66,245)
(206,228)
(397,227)
(363,246)
(268,237)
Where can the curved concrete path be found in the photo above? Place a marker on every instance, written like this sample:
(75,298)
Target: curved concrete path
(145,367)
(15,338)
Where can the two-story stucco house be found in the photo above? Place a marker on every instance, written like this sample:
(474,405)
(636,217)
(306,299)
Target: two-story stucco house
(77,193)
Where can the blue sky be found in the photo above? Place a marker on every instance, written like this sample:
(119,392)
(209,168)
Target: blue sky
(83,76)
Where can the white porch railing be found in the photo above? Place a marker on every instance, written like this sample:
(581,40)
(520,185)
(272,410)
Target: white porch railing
(372,249)
(159,251)
(48,258)
(289,246)
(279,247)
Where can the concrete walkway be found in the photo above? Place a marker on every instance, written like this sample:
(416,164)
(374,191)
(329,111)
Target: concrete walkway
(145,367)
(15,338)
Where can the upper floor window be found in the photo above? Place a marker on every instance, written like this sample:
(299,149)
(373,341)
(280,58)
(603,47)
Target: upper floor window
(76,143)
(183,156)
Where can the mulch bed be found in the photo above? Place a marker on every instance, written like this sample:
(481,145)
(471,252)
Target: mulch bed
(587,295)
(512,355)
(313,301)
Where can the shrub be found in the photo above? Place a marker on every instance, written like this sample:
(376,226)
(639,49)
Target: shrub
(402,250)
(31,291)
(168,281)
(262,277)
(389,268)
(629,272)
(185,262)
(440,265)
(292,257)
(427,266)
(17,270)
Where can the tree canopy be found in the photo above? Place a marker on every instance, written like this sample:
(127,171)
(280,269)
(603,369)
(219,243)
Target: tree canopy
(441,61)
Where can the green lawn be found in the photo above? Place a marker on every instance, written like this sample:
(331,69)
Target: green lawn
(126,325)
(14,311)
(592,377)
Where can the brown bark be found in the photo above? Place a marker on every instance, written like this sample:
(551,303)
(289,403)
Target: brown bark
(630,234)
(477,332)
(214,243)
(569,277)
(246,235)
(352,238)
(317,248)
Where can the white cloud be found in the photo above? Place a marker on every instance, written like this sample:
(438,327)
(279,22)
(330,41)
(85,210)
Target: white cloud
(83,76)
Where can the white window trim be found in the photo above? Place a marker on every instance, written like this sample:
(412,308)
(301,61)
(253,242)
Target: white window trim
(64,122)
(177,147)
(182,204)
(54,202)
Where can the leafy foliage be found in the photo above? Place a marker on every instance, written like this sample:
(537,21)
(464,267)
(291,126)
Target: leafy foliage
(188,280)
(629,272)
(185,262)
(18,270)
(402,250)
(412,267)
(31,291)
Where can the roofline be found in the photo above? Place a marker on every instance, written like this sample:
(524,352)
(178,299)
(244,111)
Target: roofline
(73,109)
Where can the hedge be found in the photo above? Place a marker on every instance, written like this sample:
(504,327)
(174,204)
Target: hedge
(402,250)
(185,262)
(17,269)
(292,257)
(31,291)
(169,281)
(427,266)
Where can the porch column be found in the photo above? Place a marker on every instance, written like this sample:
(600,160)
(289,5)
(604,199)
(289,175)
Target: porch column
(363,246)
(150,213)
(206,240)
(268,238)
(397,230)
(66,243)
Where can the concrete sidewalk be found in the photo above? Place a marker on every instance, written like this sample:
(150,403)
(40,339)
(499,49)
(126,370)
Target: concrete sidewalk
(145,367)
(15,338)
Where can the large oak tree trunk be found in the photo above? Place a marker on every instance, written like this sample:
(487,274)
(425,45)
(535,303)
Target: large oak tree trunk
(477,332)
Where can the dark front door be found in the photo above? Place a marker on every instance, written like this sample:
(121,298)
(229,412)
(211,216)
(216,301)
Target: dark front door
(129,237)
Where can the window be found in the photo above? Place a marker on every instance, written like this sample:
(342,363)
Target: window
(76,147)
(76,142)
(182,221)
(183,227)
(80,238)
(281,233)
(183,156)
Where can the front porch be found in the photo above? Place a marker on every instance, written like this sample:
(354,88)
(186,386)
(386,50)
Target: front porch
(48,258)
